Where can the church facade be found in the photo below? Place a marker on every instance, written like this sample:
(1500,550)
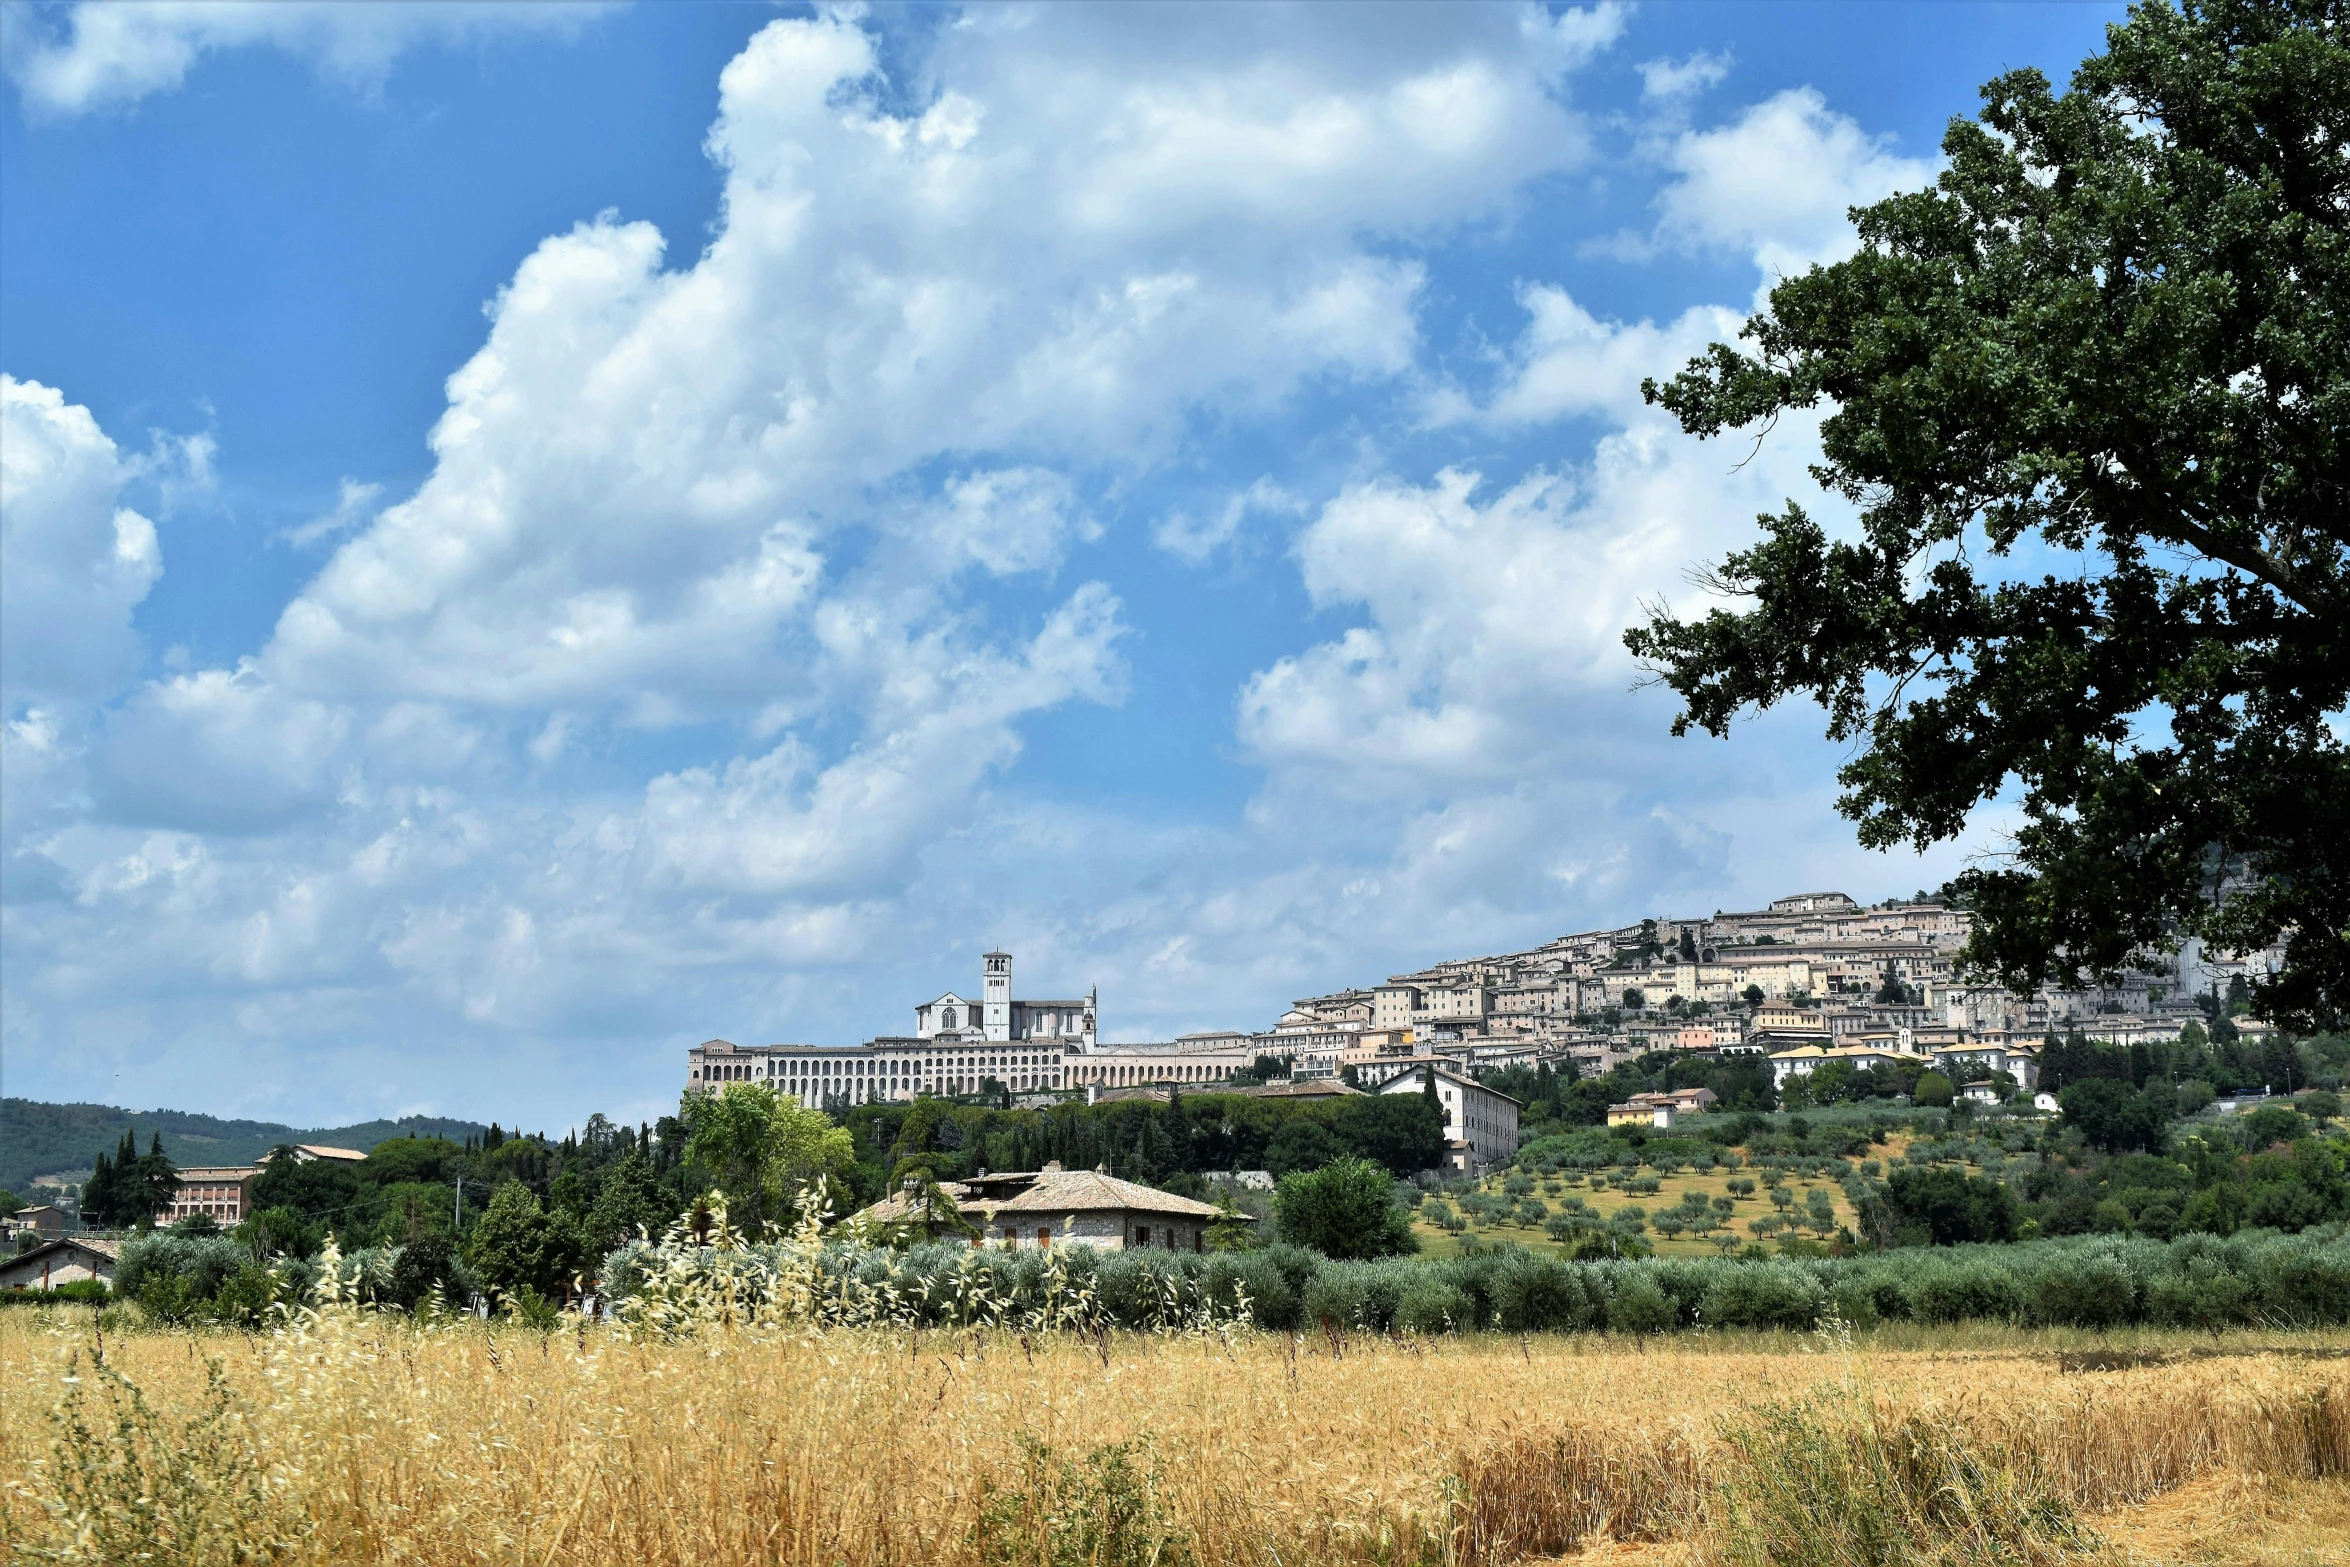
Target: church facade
(999,1018)
(958,1044)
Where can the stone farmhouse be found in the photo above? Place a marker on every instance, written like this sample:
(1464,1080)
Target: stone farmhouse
(64,1261)
(1035,1210)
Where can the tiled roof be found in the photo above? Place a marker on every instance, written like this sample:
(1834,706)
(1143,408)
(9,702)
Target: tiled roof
(1051,1191)
(111,1250)
(1080,1191)
(1304,1088)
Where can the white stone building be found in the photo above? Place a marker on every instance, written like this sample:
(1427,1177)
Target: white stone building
(1000,1018)
(1480,1123)
(1964,1062)
(957,1045)
(960,1044)
(1807,1059)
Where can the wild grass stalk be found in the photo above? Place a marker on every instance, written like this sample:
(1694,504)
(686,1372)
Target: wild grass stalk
(998,1438)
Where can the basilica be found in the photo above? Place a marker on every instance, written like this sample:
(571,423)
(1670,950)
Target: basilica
(958,1044)
(999,1018)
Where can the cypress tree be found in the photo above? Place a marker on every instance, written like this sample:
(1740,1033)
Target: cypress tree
(98,1194)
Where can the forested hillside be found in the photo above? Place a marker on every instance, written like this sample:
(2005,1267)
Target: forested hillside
(47,1139)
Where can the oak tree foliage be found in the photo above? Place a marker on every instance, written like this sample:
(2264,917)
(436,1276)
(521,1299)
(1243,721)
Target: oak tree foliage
(2087,395)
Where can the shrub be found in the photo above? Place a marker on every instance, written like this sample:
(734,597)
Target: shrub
(2196,1281)
(2085,1290)
(1635,1304)
(1431,1305)
(1854,1300)
(1977,1288)
(2204,1295)
(2285,1205)
(1765,1295)
(2272,1124)
(198,1265)
(1536,1294)
(1273,1300)
(2304,1284)
(1334,1298)
(426,1263)
(1347,1208)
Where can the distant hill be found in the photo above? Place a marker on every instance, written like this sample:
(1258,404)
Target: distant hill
(46,1139)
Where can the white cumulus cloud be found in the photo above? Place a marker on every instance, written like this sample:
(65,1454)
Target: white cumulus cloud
(74,561)
(799,505)
(1777,182)
(107,53)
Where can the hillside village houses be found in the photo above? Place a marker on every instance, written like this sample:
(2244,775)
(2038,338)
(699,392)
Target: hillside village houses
(1812,978)
(1661,1110)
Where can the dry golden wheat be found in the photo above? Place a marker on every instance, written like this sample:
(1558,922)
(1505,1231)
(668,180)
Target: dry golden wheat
(367,1439)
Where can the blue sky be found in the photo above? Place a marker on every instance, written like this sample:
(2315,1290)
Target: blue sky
(540,535)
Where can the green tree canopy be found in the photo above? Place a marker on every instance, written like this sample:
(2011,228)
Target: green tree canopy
(518,1245)
(130,1188)
(631,1200)
(326,1192)
(1942,1206)
(766,1151)
(1347,1208)
(2115,331)
(1402,1133)
(1302,1144)
(2113,1115)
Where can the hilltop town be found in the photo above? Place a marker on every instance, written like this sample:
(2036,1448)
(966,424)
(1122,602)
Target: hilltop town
(1813,981)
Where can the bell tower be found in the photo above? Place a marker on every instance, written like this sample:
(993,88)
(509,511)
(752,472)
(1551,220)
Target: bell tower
(997,996)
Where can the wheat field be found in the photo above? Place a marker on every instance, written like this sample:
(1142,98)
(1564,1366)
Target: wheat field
(347,1436)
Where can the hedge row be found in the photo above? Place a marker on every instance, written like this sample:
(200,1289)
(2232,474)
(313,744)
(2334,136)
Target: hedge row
(202,1264)
(2202,1281)
(81,1292)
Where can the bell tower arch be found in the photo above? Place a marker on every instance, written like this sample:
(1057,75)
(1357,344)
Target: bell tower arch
(996,996)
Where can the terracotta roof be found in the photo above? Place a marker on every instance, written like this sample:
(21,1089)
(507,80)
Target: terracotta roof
(1077,1191)
(1304,1088)
(111,1250)
(1049,1191)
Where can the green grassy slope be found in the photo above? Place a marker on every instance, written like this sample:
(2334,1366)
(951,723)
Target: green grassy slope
(47,1139)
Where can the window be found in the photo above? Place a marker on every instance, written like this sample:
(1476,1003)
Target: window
(1044,1235)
